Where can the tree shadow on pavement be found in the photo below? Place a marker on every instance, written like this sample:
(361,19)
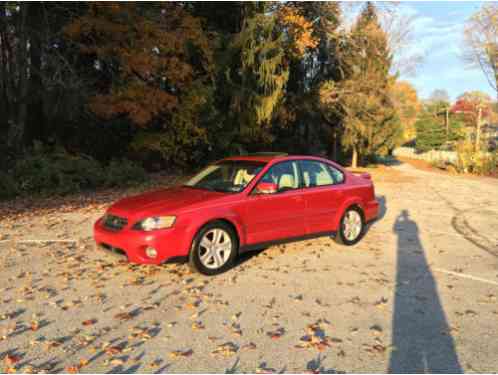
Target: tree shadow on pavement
(316,366)
(421,337)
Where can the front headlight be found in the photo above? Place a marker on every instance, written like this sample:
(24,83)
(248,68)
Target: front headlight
(158,222)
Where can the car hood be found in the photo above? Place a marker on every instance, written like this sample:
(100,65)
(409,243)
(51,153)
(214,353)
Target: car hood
(165,201)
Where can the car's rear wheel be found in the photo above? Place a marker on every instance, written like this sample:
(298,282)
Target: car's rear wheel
(352,227)
(214,248)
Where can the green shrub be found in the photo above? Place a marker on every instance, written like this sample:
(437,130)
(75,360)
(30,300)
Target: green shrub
(58,172)
(8,186)
(124,172)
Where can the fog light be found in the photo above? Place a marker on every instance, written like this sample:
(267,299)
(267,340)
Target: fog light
(151,252)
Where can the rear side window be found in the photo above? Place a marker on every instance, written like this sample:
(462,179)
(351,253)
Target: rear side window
(315,174)
(337,175)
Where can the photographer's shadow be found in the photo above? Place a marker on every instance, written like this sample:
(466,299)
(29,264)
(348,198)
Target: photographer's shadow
(421,337)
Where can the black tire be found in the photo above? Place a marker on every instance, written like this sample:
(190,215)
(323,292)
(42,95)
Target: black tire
(340,238)
(195,251)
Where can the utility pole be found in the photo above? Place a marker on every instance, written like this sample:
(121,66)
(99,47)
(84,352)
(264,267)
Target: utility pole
(478,132)
(447,125)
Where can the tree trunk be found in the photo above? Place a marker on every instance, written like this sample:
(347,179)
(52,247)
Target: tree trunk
(306,145)
(335,145)
(16,131)
(5,77)
(354,161)
(35,128)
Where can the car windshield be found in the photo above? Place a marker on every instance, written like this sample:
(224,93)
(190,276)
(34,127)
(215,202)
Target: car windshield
(230,176)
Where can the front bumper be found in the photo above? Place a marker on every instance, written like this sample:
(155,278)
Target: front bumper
(131,244)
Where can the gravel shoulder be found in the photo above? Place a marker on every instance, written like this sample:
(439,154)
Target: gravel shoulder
(418,293)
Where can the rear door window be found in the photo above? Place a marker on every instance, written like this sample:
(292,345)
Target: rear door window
(316,173)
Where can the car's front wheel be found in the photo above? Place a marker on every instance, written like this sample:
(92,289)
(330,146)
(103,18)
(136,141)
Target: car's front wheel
(214,248)
(352,227)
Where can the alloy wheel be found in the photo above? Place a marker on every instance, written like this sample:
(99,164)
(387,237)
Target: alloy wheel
(215,248)
(352,225)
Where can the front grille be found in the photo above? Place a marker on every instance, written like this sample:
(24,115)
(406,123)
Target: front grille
(113,250)
(114,223)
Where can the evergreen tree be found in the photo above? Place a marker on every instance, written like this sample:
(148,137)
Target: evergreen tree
(430,133)
(432,130)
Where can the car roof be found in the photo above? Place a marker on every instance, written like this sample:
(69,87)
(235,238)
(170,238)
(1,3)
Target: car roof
(267,157)
(259,158)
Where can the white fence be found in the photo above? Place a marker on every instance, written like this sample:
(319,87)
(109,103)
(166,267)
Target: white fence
(430,156)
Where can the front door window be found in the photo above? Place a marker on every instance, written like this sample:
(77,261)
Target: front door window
(284,175)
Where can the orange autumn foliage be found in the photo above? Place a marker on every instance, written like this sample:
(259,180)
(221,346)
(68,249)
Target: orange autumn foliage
(148,48)
(299,29)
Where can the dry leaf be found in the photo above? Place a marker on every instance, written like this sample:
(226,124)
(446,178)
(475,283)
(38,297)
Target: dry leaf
(72,369)
(113,350)
(197,326)
(275,335)
(228,349)
(181,353)
(35,325)
(250,346)
(117,362)
(89,322)
(123,316)
(11,359)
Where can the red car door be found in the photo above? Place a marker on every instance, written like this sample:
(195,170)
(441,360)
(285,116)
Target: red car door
(323,194)
(277,215)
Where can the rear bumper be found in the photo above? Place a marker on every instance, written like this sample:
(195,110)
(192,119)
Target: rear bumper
(131,244)
(371,210)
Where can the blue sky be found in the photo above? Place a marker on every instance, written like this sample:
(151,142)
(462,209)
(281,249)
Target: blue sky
(438,35)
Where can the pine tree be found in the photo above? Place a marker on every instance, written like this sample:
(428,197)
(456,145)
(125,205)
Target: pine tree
(431,128)
(256,74)
(430,132)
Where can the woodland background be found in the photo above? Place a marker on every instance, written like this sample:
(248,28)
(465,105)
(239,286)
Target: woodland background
(96,94)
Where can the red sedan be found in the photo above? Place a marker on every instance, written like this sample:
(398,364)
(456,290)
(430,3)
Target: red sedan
(238,204)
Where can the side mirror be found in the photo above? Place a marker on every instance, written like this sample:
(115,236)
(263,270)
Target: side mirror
(266,188)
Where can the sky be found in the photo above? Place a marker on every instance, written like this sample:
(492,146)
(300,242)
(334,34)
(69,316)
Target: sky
(438,36)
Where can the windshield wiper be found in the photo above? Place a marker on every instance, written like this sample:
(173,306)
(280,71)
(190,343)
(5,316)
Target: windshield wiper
(221,190)
(197,187)
(218,190)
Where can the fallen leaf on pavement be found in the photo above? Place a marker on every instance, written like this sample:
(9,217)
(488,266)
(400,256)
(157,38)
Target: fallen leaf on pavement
(72,369)
(181,353)
(250,346)
(228,349)
(35,325)
(123,316)
(11,359)
(196,326)
(275,335)
(89,322)
(113,350)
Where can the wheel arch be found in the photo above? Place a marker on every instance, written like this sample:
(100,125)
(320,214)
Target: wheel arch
(228,221)
(351,202)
